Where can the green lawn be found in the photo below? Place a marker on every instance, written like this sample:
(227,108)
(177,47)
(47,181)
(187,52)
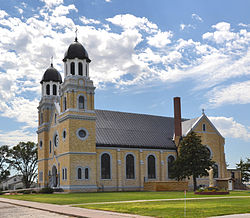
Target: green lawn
(194,208)
(81,198)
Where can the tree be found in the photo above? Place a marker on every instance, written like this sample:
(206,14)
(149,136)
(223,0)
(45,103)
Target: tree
(24,159)
(4,162)
(193,159)
(244,167)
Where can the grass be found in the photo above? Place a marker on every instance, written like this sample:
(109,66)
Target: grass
(81,198)
(194,208)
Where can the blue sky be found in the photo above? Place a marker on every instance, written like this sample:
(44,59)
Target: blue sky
(143,54)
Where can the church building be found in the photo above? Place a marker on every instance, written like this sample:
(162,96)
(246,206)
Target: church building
(83,149)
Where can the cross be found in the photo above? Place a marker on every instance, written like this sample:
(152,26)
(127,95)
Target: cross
(76,33)
(51,60)
(203,111)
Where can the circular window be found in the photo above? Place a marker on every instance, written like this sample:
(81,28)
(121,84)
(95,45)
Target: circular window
(64,134)
(56,140)
(82,133)
(41,144)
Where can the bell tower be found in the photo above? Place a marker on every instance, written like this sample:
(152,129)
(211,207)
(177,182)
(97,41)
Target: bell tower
(77,119)
(50,85)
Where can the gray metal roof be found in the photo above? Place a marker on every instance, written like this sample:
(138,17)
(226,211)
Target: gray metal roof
(119,129)
(187,125)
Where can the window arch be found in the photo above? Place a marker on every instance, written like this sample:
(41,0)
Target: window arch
(47,89)
(80,69)
(151,167)
(72,68)
(81,102)
(86,173)
(130,166)
(79,173)
(54,90)
(170,161)
(105,166)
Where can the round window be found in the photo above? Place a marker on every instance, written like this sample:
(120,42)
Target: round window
(82,133)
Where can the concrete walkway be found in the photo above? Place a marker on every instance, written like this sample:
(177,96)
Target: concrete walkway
(69,211)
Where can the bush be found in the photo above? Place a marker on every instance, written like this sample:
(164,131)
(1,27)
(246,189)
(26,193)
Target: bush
(58,190)
(46,190)
(1,193)
(27,192)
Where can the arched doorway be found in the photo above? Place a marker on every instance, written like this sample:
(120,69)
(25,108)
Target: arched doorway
(54,177)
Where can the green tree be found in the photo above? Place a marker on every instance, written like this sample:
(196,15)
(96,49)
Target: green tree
(244,167)
(24,159)
(4,162)
(193,159)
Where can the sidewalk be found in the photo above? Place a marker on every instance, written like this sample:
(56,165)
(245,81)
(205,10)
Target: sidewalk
(69,211)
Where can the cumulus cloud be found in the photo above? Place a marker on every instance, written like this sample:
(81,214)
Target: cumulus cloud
(229,128)
(89,21)
(160,39)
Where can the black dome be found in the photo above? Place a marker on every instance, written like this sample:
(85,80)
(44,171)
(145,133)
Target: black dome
(76,50)
(51,74)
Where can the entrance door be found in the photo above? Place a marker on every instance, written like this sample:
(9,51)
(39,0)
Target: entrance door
(54,177)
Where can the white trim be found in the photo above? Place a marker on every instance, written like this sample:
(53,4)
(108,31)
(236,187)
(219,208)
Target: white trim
(138,149)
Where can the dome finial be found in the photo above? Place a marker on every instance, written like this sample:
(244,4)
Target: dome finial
(76,34)
(203,111)
(51,61)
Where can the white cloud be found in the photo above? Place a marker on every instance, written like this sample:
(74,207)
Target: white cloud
(89,21)
(236,93)
(197,17)
(12,138)
(3,14)
(186,26)
(221,34)
(63,10)
(51,3)
(160,39)
(129,21)
(107,0)
(229,128)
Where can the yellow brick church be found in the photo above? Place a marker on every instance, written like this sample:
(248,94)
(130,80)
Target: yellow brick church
(84,149)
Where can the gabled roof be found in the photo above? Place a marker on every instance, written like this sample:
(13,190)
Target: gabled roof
(119,129)
(190,125)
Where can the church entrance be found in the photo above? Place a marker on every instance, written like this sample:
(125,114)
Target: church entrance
(54,177)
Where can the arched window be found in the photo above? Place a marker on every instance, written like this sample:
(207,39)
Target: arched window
(50,147)
(105,166)
(79,173)
(151,167)
(130,167)
(80,69)
(72,68)
(47,89)
(216,171)
(86,173)
(170,166)
(204,127)
(81,102)
(65,103)
(54,90)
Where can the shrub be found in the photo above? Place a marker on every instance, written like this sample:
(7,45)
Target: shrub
(46,190)
(1,193)
(27,192)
